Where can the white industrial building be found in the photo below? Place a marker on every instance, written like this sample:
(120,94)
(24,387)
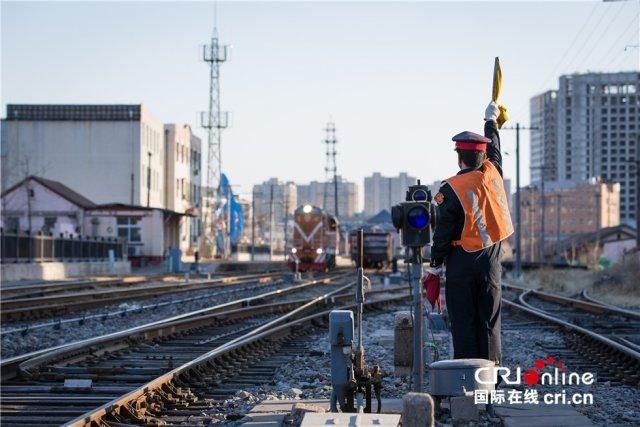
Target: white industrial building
(183,189)
(111,154)
(103,150)
(52,208)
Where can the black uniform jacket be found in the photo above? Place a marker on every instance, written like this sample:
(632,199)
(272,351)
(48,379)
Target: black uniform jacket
(450,212)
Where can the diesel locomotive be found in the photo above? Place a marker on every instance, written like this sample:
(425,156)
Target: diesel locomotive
(316,235)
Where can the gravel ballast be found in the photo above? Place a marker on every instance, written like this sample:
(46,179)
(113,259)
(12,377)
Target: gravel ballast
(524,341)
(14,344)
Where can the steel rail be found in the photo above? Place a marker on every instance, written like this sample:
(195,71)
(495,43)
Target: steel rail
(591,307)
(525,306)
(93,418)
(28,307)
(124,311)
(20,291)
(10,367)
(630,313)
(91,294)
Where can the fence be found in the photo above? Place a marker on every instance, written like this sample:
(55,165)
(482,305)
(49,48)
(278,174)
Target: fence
(22,247)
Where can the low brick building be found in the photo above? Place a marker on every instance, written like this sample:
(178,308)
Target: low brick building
(570,209)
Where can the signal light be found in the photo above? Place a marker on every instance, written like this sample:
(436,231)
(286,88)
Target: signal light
(418,217)
(412,217)
(419,195)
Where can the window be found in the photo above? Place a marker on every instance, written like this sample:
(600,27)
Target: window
(49,224)
(129,228)
(13,224)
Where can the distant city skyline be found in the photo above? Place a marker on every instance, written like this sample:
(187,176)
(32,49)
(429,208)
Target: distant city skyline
(398,79)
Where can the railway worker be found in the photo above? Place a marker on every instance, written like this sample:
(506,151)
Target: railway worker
(473,221)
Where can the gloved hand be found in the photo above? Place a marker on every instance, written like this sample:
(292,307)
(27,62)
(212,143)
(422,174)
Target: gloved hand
(492,112)
(496,113)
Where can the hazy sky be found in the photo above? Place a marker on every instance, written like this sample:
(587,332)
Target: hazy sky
(398,79)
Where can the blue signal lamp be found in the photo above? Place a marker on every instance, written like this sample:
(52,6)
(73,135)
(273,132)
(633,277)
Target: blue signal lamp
(418,217)
(411,217)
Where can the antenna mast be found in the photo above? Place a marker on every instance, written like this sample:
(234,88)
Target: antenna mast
(331,170)
(214,121)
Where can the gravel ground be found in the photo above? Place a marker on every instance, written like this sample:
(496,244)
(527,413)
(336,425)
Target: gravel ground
(308,375)
(612,404)
(14,344)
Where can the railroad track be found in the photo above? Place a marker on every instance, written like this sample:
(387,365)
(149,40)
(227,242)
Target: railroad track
(42,389)
(30,308)
(41,289)
(606,335)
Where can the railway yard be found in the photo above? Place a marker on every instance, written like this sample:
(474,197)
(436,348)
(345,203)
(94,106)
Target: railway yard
(165,350)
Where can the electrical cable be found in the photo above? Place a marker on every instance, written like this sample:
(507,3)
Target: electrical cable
(553,74)
(586,57)
(612,49)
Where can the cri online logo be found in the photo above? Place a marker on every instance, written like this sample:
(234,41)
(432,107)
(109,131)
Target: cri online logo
(535,375)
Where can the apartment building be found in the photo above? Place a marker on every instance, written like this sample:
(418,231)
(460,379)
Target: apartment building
(589,128)
(381,192)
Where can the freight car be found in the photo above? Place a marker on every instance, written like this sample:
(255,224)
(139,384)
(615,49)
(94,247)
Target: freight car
(315,240)
(377,251)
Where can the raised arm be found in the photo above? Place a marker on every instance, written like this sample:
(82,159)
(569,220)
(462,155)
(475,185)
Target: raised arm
(491,131)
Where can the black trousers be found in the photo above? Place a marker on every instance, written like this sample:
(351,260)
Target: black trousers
(473,296)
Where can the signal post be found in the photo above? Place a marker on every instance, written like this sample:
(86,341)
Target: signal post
(411,219)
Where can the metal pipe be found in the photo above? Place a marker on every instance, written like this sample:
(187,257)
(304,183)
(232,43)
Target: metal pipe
(418,339)
(558,196)
(360,290)
(542,257)
(149,179)
(518,223)
(253,227)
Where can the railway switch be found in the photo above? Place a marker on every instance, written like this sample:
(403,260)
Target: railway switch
(352,380)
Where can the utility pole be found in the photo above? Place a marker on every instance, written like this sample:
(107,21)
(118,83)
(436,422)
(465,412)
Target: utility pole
(543,169)
(227,240)
(636,163)
(149,179)
(213,121)
(558,197)
(517,128)
(638,192)
(286,220)
(271,223)
(596,249)
(133,159)
(253,227)
(331,170)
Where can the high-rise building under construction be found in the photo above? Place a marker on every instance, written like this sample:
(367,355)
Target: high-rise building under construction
(588,128)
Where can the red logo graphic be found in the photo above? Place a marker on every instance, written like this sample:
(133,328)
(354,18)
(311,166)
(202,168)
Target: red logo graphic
(532,376)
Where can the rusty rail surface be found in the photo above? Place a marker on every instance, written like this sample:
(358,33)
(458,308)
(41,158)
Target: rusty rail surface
(134,404)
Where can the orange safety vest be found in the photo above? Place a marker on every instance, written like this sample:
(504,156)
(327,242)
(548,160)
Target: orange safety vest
(486,212)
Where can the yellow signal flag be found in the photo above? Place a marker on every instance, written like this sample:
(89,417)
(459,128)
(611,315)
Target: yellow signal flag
(495,94)
(497,80)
